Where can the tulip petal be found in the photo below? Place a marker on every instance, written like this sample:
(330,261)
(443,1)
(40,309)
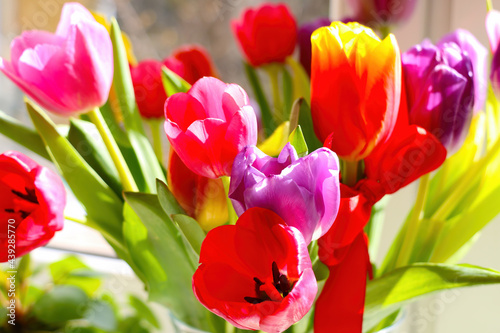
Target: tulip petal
(493,29)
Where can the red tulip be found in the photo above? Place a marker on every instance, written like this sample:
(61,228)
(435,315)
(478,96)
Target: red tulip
(148,88)
(256,274)
(355,88)
(32,200)
(202,198)
(344,250)
(266,34)
(209,125)
(191,62)
(410,153)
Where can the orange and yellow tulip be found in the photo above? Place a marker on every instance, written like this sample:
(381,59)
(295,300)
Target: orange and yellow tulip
(355,87)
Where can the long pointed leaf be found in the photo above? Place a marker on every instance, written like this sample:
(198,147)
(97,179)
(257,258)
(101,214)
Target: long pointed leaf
(122,82)
(158,249)
(390,292)
(102,205)
(86,139)
(268,123)
(27,137)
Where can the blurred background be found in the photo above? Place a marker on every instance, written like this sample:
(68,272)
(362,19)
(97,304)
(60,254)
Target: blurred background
(157,27)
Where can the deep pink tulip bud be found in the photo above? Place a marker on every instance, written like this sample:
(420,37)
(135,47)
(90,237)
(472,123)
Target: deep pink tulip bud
(209,125)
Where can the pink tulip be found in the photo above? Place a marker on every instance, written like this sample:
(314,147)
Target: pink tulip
(209,125)
(66,72)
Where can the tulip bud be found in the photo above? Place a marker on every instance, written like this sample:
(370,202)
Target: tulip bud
(67,72)
(150,95)
(191,62)
(31,206)
(377,13)
(355,88)
(440,91)
(266,34)
(478,56)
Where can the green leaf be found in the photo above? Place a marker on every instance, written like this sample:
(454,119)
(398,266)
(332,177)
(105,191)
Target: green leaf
(167,200)
(466,225)
(100,315)
(87,141)
(101,203)
(24,270)
(61,304)
(287,92)
(173,83)
(27,137)
(143,310)
(273,145)
(301,82)
(30,295)
(122,82)
(297,140)
(390,292)
(72,271)
(155,240)
(269,125)
(301,115)
(191,230)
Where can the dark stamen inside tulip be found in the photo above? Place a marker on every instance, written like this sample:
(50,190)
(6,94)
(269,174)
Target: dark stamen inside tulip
(29,196)
(280,283)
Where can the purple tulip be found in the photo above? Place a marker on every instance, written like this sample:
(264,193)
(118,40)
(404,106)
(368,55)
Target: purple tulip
(478,56)
(493,30)
(382,12)
(304,40)
(440,90)
(304,192)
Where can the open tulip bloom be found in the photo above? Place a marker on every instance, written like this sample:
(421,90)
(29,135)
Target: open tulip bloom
(267,223)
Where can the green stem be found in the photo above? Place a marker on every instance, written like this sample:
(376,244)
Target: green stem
(385,30)
(273,71)
(233,217)
(155,126)
(462,186)
(350,173)
(489,5)
(267,118)
(83,221)
(413,223)
(116,155)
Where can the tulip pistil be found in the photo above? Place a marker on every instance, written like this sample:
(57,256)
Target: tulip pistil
(275,291)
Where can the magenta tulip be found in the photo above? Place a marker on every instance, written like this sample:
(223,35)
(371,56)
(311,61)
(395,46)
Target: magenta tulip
(209,125)
(67,72)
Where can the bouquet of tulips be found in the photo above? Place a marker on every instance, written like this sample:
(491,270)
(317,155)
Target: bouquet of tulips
(267,213)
